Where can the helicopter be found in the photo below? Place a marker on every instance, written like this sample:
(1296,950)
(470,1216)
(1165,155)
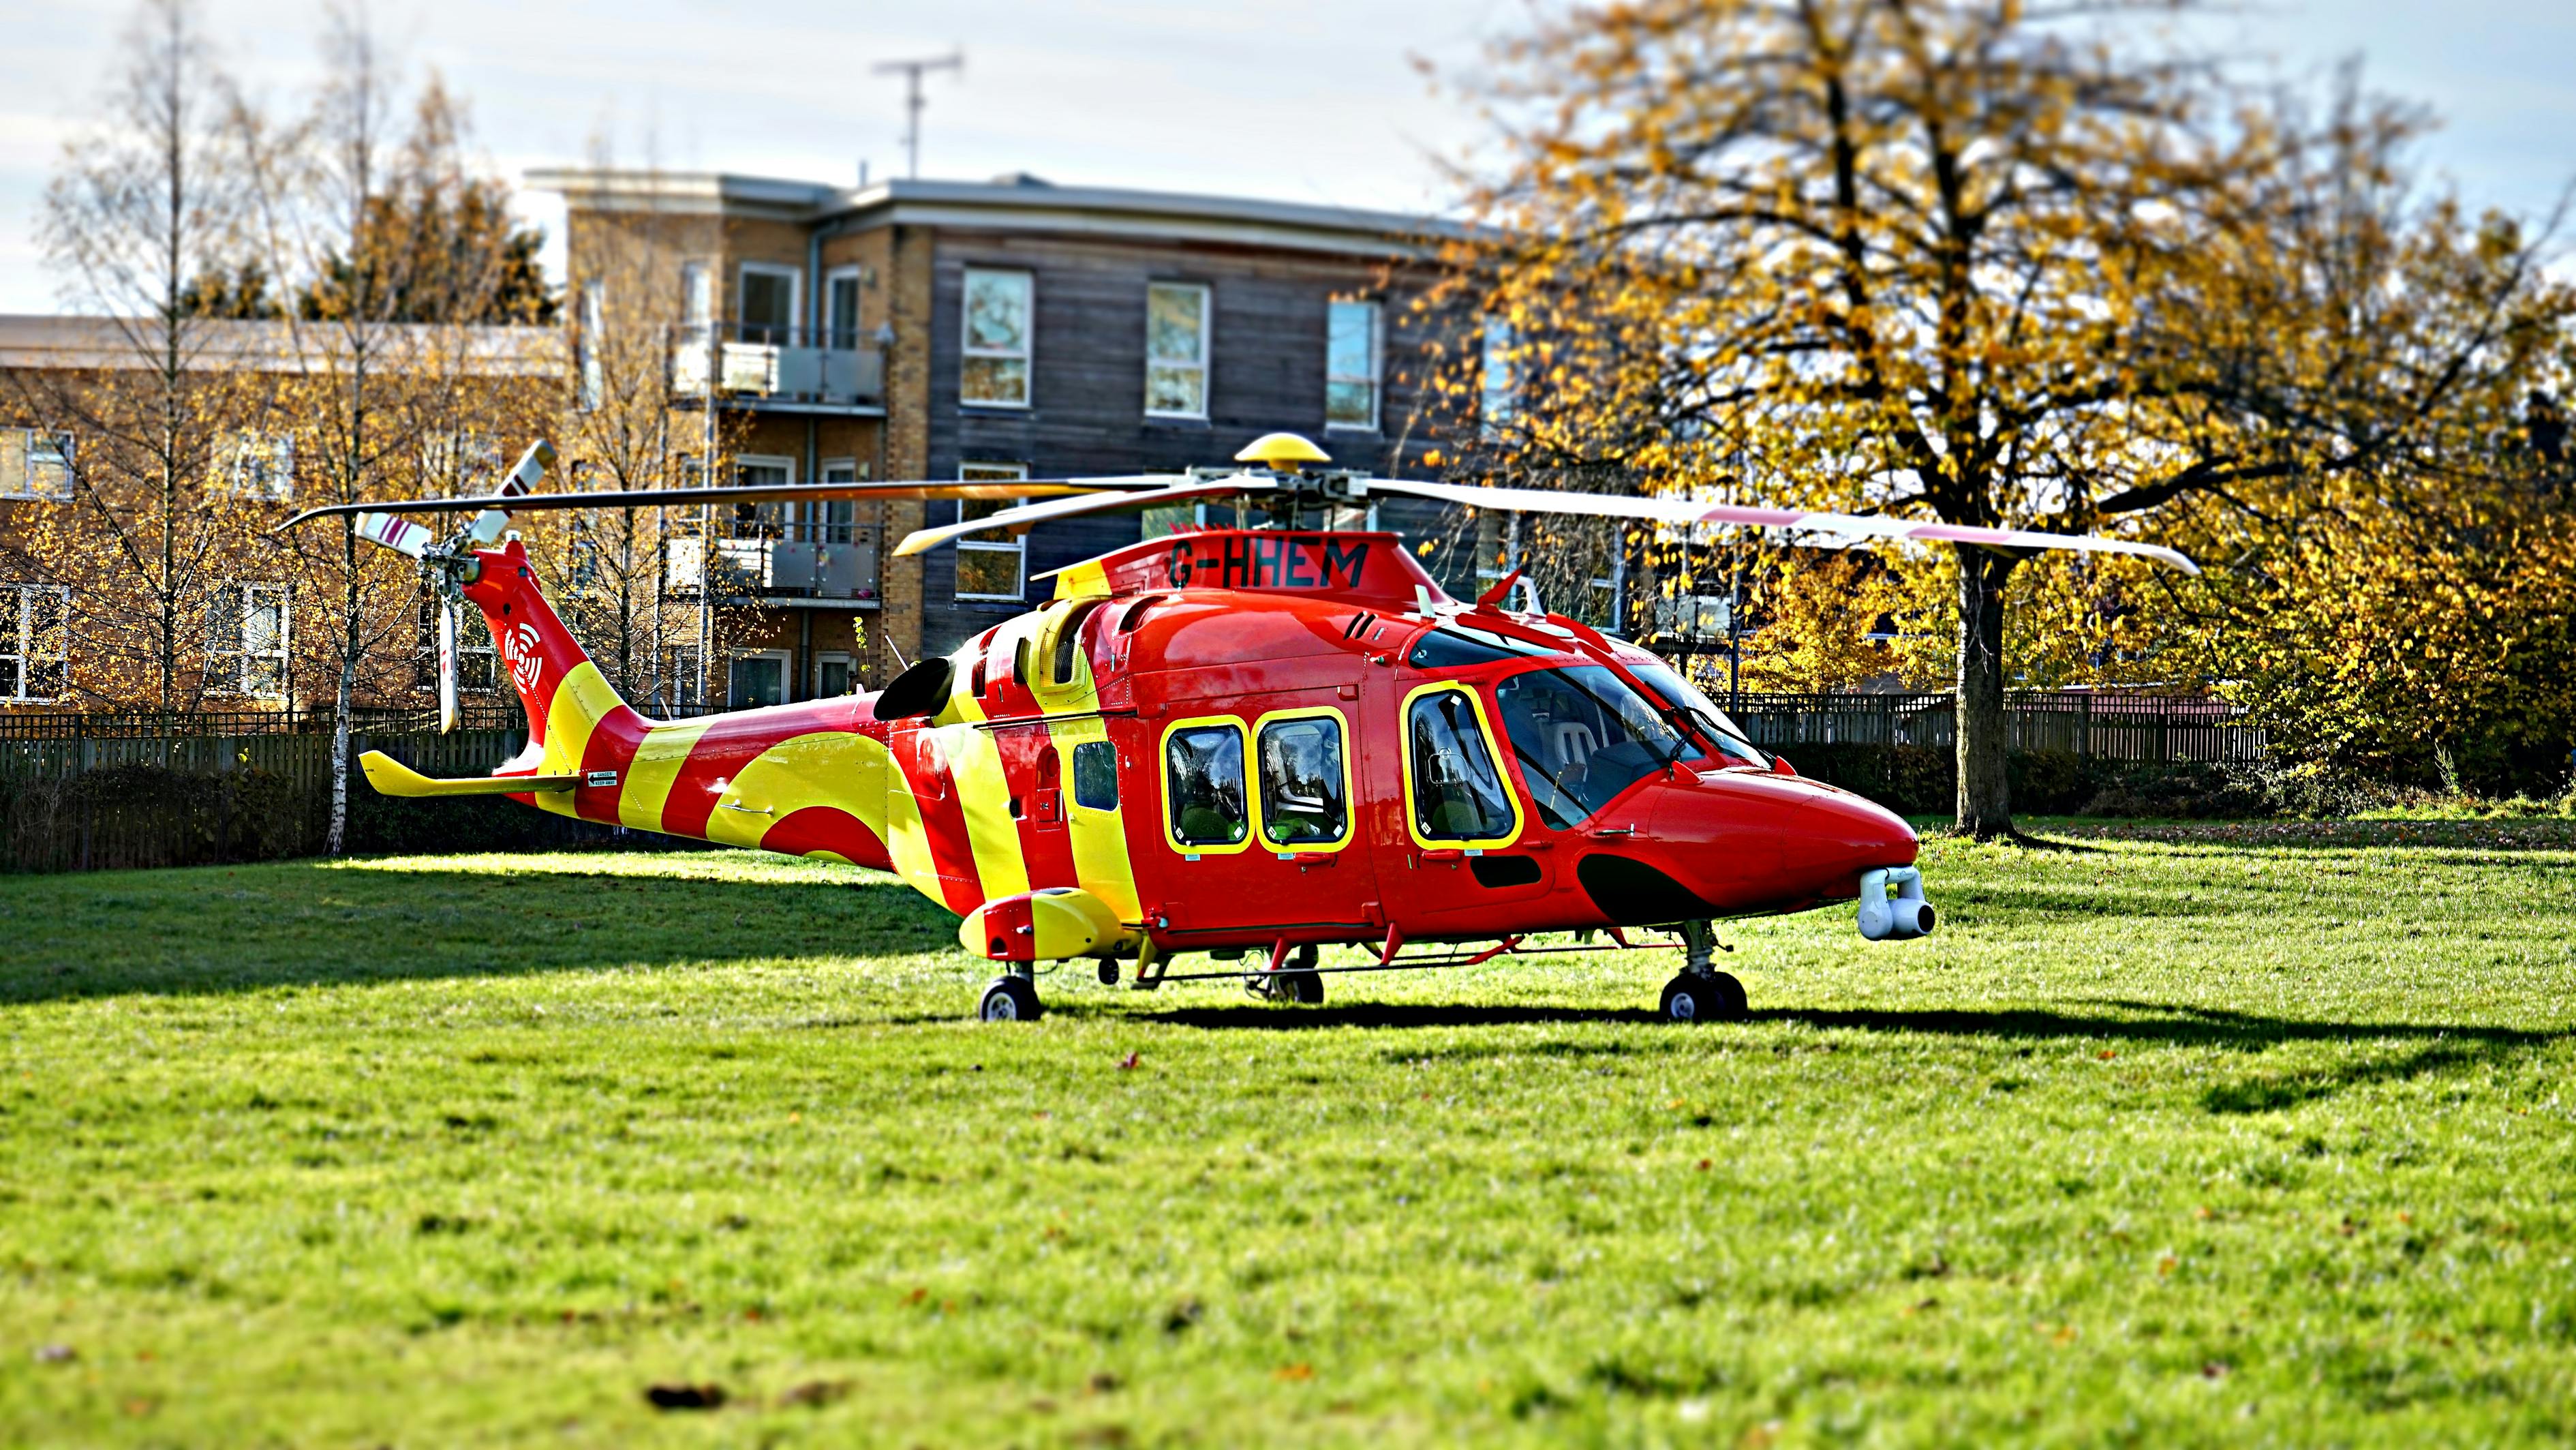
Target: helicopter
(1248,743)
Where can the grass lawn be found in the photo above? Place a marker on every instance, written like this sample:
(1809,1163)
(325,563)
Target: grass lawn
(2254,1134)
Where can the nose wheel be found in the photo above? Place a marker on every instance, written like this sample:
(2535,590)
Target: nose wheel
(1010,999)
(1709,997)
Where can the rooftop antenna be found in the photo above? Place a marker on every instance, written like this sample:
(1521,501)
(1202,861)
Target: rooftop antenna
(912,72)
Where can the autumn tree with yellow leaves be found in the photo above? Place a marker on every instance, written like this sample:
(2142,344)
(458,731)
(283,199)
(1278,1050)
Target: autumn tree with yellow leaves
(1971,261)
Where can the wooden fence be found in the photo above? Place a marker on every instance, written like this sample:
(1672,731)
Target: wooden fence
(2143,728)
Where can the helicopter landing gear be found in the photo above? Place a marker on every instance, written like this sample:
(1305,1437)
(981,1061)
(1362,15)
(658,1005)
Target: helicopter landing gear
(1702,993)
(1297,982)
(1010,999)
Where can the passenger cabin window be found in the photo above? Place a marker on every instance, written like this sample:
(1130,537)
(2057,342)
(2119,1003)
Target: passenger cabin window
(1458,795)
(1095,775)
(1305,795)
(1204,786)
(1582,736)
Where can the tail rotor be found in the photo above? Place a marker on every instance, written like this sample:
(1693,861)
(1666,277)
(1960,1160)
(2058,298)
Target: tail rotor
(447,566)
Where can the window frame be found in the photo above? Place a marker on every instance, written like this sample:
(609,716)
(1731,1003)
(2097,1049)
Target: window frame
(1016,545)
(697,295)
(743,273)
(1025,356)
(826,658)
(1188,851)
(1502,773)
(1199,365)
(22,442)
(1376,376)
(784,659)
(821,530)
(23,647)
(275,449)
(835,337)
(235,676)
(1350,797)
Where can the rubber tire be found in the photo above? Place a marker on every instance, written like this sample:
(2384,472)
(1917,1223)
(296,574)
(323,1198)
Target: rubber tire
(1717,997)
(1305,988)
(1010,999)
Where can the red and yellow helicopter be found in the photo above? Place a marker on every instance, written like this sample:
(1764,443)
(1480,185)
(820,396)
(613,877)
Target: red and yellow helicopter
(1247,742)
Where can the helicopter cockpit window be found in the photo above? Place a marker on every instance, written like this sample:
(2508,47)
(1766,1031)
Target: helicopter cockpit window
(1303,797)
(1682,694)
(1204,785)
(1582,736)
(1458,795)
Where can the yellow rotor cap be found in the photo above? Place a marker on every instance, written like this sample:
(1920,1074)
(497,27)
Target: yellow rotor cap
(1281,450)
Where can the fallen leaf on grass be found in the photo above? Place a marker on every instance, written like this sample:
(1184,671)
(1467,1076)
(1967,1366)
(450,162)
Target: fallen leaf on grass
(1293,1372)
(815,1392)
(56,1354)
(1103,1382)
(684,1397)
(1129,1061)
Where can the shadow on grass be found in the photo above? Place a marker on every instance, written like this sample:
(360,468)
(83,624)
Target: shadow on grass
(214,929)
(2437,1047)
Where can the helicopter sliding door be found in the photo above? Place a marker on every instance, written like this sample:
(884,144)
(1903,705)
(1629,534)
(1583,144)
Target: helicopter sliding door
(1466,839)
(1258,822)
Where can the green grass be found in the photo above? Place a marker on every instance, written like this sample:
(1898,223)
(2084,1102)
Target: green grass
(2244,1134)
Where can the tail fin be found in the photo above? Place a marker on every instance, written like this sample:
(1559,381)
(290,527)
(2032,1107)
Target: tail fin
(576,722)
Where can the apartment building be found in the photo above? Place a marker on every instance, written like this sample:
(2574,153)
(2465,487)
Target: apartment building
(994,330)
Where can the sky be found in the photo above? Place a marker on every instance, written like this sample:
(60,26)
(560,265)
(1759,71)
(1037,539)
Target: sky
(1319,101)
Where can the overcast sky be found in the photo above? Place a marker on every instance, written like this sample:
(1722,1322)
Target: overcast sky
(1317,101)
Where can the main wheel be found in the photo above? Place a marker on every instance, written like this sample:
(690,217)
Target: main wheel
(1717,997)
(1303,987)
(1010,999)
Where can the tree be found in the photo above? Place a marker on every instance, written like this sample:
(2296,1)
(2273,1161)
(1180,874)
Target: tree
(143,207)
(1920,258)
(394,366)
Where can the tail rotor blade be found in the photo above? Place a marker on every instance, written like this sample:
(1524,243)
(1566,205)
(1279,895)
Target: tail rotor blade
(447,711)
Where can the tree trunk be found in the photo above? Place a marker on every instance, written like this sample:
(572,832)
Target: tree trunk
(1985,792)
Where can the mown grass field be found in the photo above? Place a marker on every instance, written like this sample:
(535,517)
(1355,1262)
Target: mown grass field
(2229,1135)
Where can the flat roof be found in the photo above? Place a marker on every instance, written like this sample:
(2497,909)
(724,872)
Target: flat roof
(67,342)
(1015,203)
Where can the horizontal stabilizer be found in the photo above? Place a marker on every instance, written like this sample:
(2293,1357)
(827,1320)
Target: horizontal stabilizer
(391,777)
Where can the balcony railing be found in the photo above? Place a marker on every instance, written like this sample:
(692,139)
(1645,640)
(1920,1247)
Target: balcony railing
(759,363)
(786,568)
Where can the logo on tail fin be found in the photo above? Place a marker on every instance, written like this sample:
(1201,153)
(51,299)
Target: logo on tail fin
(520,646)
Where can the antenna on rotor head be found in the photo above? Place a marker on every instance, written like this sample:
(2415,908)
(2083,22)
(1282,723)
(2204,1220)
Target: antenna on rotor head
(912,71)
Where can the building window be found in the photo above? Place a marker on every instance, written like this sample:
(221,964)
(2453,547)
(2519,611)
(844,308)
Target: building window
(1351,366)
(768,303)
(255,465)
(680,679)
(1176,350)
(756,680)
(834,675)
(835,520)
(459,463)
(477,662)
(35,464)
(697,296)
(762,520)
(1500,391)
(995,373)
(841,308)
(594,374)
(990,566)
(34,640)
(247,639)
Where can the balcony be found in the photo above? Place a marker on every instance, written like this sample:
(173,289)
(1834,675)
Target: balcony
(782,369)
(836,572)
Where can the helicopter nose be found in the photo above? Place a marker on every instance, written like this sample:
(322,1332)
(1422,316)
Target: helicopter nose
(1832,837)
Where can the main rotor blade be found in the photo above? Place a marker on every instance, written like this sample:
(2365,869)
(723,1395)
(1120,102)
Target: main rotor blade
(400,535)
(911,490)
(1691,511)
(1021,519)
